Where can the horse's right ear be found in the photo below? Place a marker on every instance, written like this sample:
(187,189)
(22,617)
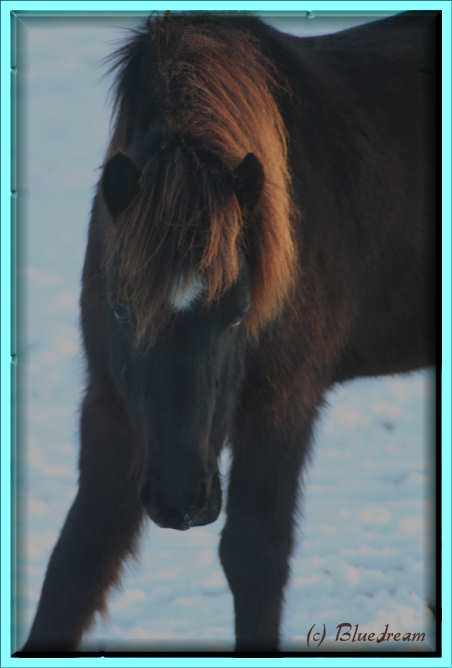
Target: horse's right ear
(120,183)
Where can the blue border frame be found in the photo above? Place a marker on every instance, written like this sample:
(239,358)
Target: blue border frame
(7,283)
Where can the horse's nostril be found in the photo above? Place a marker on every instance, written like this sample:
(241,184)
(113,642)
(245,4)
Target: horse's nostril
(200,501)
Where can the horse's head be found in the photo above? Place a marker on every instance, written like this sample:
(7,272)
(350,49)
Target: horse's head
(178,295)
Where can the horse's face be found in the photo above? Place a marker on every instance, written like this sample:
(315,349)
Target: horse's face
(180,394)
(181,391)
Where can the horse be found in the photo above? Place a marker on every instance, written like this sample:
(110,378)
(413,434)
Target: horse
(263,229)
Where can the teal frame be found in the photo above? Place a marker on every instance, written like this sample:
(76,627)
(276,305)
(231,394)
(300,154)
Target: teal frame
(8,358)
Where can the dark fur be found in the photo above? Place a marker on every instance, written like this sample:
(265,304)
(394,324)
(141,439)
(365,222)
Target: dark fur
(346,288)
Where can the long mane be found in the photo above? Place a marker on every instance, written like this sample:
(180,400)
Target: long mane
(210,92)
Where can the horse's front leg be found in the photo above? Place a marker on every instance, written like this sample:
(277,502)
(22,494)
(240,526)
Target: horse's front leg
(257,539)
(99,531)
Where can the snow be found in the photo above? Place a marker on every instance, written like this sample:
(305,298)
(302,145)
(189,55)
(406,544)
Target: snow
(365,551)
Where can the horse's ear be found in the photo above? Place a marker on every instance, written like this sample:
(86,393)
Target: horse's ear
(248,181)
(120,183)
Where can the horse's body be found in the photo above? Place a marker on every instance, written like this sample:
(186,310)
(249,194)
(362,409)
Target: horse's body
(345,287)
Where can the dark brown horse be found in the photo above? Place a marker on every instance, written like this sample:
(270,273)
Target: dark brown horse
(264,228)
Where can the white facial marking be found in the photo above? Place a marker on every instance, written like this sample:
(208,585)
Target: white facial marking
(184,294)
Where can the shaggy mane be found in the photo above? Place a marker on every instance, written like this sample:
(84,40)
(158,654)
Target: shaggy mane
(210,90)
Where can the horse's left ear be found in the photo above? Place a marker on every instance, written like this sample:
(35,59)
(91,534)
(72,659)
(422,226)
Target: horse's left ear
(120,183)
(248,181)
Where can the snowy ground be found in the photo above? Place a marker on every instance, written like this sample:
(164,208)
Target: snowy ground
(364,553)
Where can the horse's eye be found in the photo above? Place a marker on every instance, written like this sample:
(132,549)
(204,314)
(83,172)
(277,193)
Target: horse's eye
(236,323)
(120,314)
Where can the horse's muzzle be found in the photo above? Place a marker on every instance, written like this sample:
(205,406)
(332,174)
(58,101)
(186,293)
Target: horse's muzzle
(168,514)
